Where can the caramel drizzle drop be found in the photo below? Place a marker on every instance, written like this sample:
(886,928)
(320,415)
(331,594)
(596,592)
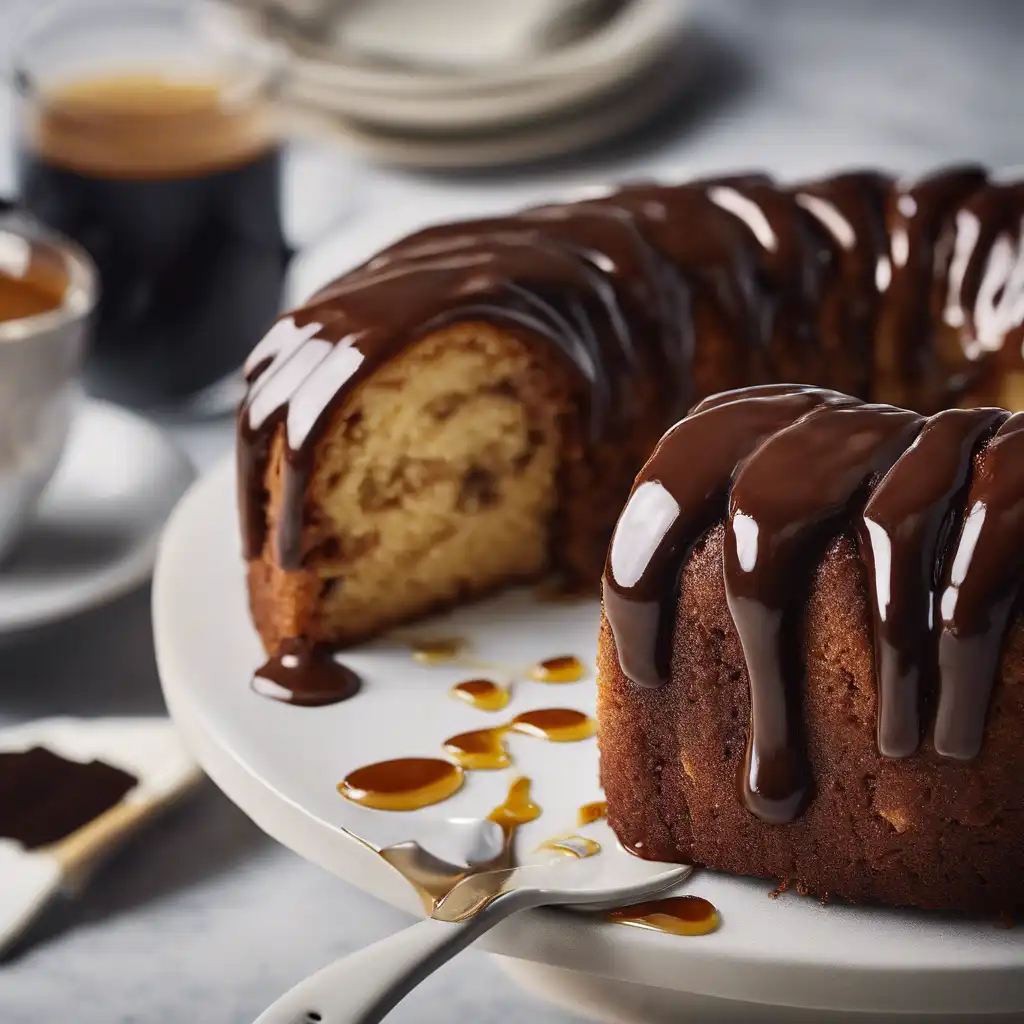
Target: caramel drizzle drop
(597,810)
(484,749)
(404,784)
(675,915)
(564,669)
(577,847)
(483,694)
(517,809)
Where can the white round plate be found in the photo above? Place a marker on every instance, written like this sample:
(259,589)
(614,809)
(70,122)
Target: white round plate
(95,533)
(281,765)
(528,140)
(476,107)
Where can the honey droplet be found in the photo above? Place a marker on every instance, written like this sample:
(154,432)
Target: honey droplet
(676,915)
(564,669)
(573,846)
(437,650)
(482,694)
(405,784)
(559,725)
(517,809)
(480,750)
(589,813)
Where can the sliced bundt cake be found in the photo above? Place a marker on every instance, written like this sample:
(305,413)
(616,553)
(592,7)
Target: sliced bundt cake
(471,406)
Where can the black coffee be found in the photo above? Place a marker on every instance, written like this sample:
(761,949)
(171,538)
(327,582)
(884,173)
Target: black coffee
(176,195)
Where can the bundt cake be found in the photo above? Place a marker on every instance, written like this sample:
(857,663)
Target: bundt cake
(811,654)
(470,407)
(809,621)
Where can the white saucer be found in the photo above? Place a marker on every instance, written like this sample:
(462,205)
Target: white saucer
(564,131)
(452,107)
(654,34)
(95,532)
(281,765)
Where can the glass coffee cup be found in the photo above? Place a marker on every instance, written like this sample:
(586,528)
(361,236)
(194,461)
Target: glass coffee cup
(158,148)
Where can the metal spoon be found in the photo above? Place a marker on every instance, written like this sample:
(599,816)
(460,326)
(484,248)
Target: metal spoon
(363,987)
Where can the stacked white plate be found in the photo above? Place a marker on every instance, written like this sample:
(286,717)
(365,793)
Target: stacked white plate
(459,83)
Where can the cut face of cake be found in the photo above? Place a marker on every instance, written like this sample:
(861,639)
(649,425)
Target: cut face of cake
(811,660)
(471,406)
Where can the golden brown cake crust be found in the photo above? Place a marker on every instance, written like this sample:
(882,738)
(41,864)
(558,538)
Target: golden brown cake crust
(921,831)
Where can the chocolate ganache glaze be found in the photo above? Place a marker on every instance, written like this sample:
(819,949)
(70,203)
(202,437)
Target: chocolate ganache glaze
(305,674)
(784,499)
(901,535)
(980,583)
(652,297)
(912,292)
(788,468)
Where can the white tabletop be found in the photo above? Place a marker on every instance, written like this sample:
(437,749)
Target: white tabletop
(203,918)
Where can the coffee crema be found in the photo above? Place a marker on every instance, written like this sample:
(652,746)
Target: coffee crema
(149,126)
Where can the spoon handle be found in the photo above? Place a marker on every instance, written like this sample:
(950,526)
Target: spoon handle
(364,987)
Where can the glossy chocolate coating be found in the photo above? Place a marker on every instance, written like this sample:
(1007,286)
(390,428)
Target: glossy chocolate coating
(900,536)
(305,674)
(790,468)
(680,493)
(980,585)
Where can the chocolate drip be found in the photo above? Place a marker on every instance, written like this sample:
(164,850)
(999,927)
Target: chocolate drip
(653,296)
(678,495)
(351,328)
(305,674)
(773,535)
(713,250)
(851,208)
(917,216)
(985,296)
(45,797)
(981,583)
(795,263)
(900,536)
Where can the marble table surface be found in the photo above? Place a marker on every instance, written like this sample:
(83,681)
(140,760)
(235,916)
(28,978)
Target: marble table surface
(202,917)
